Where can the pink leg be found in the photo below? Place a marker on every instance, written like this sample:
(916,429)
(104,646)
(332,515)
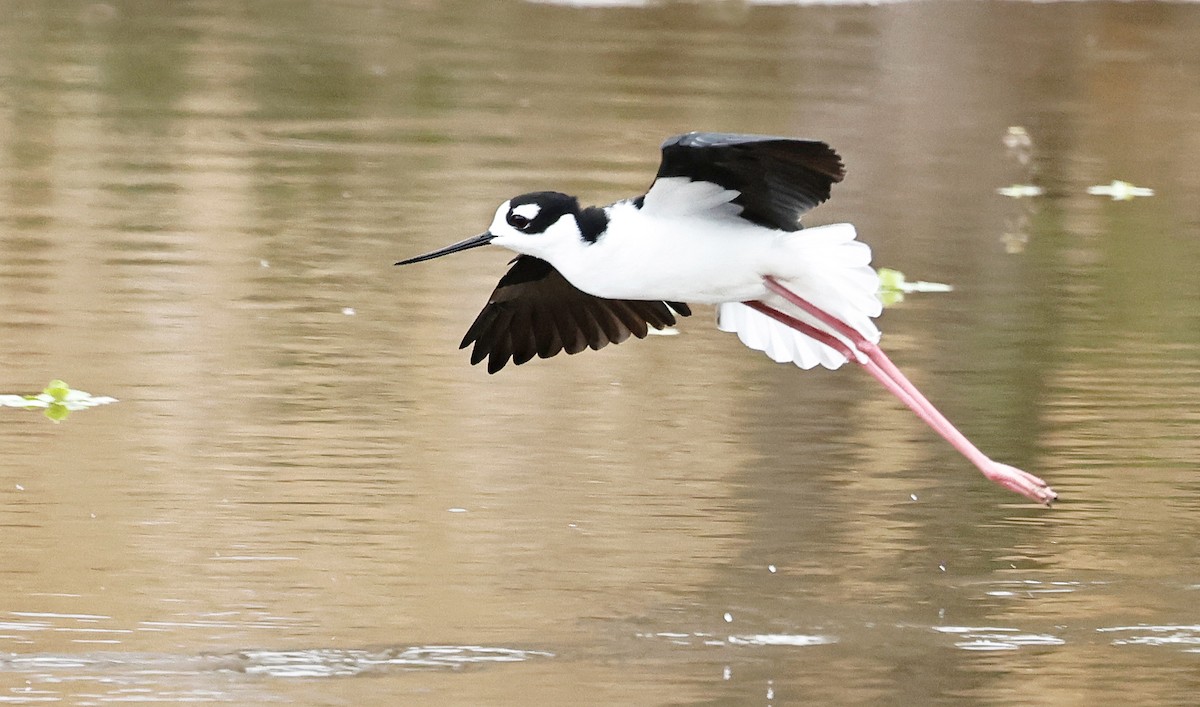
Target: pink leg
(838,345)
(881,367)
(882,364)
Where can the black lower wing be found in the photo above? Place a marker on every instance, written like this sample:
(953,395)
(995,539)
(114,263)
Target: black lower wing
(535,311)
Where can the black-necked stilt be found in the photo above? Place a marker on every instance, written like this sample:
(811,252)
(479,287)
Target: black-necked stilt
(719,225)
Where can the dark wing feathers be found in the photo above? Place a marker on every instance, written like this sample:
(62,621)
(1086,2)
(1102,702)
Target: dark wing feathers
(534,311)
(680,307)
(779,178)
(635,324)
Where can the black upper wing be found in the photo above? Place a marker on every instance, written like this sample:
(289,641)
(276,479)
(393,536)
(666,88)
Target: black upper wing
(535,311)
(778,178)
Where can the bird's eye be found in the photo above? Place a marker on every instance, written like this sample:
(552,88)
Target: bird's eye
(517,221)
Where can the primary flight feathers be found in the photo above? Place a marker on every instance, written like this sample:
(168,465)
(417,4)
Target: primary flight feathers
(535,311)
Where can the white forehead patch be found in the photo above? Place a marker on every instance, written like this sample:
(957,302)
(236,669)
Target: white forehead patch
(529,211)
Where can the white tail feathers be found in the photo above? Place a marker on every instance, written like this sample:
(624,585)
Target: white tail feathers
(781,343)
(826,267)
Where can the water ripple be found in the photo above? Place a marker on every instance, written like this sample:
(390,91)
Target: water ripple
(757,639)
(1164,635)
(994,638)
(133,670)
(320,662)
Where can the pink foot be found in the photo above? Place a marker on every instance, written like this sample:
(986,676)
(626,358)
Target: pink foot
(1024,483)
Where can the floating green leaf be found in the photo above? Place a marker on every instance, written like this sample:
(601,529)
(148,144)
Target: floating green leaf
(57,389)
(56,401)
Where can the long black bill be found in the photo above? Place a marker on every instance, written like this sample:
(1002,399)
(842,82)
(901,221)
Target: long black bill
(472,242)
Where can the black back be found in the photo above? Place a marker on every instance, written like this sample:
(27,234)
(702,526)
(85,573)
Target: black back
(779,178)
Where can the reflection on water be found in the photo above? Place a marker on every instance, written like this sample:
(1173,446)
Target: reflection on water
(199,209)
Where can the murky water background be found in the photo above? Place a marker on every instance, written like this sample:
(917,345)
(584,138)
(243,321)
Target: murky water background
(307,495)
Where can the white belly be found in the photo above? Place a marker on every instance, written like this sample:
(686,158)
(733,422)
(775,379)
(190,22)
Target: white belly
(681,260)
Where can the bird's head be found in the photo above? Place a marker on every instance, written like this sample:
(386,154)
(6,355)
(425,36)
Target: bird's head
(541,224)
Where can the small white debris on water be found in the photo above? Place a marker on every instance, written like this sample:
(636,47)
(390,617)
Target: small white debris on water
(20,487)
(728,617)
(942,567)
(1119,190)
(770,689)
(922,286)
(1019,144)
(771,569)
(1016,137)
(913,496)
(727,673)
(457,510)
(263,263)
(73,400)
(1020,191)
(348,311)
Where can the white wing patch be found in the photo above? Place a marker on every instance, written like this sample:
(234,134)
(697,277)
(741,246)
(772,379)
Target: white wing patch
(680,196)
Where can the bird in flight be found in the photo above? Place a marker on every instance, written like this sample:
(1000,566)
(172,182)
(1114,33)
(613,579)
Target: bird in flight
(720,225)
